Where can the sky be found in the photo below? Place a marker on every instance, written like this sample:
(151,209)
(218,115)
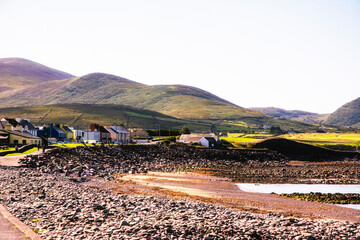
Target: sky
(291,54)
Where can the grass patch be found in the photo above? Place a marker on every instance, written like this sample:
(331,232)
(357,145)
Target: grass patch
(138,115)
(23,153)
(68,145)
(334,141)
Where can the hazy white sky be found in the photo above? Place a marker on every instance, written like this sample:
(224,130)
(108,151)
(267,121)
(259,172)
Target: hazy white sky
(293,54)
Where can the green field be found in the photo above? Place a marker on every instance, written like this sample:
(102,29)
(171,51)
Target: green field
(242,140)
(335,141)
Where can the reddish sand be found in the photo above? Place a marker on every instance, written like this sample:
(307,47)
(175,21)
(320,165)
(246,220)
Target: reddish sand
(225,192)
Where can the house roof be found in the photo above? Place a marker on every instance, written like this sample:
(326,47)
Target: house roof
(58,130)
(67,129)
(111,130)
(12,121)
(188,138)
(120,129)
(28,124)
(210,139)
(103,130)
(21,134)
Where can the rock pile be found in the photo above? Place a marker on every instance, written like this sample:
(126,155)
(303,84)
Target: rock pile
(103,161)
(58,208)
(238,165)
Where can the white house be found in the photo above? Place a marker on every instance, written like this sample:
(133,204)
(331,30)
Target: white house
(193,138)
(208,142)
(91,136)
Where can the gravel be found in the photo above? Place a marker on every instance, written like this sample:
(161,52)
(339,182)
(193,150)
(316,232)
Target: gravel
(51,199)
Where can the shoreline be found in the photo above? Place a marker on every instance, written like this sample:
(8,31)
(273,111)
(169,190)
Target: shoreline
(223,191)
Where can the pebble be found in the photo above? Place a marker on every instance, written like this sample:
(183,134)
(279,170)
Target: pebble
(60,208)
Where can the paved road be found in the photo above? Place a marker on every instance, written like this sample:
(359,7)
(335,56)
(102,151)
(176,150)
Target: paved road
(12,229)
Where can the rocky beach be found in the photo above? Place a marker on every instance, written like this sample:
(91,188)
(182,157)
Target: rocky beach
(71,194)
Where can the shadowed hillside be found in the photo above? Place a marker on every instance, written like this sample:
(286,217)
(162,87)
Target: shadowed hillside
(18,73)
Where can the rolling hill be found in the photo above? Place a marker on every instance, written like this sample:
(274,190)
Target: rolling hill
(38,85)
(346,115)
(296,115)
(18,73)
(41,85)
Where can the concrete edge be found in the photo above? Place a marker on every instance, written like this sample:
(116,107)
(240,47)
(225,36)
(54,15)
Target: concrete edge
(20,225)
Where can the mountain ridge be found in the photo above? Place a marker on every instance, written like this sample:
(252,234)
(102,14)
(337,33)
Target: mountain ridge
(101,88)
(347,115)
(19,73)
(179,101)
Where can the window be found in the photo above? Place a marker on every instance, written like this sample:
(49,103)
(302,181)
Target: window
(24,141)
(16,141)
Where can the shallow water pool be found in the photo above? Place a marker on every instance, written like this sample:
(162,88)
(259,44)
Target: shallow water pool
(298,188)
(302,188)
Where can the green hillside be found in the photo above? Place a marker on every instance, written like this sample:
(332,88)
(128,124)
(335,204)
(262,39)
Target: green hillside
(98,88)
(347,115)
(82,115)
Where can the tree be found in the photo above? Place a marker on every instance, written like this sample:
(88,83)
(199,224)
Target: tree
(276,130)
(185,130)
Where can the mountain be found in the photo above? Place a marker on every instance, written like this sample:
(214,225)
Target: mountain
(346,115)
(296,115)
(18,73)
(36,88)
(99,88)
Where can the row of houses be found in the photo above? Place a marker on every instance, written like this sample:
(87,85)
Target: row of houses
(21,132)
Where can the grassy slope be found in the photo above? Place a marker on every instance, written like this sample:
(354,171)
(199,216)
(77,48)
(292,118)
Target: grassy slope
(179,101)
(175,100)
(82,115)
(347,115)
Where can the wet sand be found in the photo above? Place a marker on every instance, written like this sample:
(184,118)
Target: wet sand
(224,192)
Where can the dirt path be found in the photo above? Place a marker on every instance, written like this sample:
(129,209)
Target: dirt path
(222,191)
(14,160)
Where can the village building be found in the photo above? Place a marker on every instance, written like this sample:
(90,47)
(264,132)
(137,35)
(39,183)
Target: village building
(53,131)
(16,137)
(12,132)
(19,124)
(193,138)
(105,136)
(91,136)
(119,134)
(138,132)
(69,134)
(206,140)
